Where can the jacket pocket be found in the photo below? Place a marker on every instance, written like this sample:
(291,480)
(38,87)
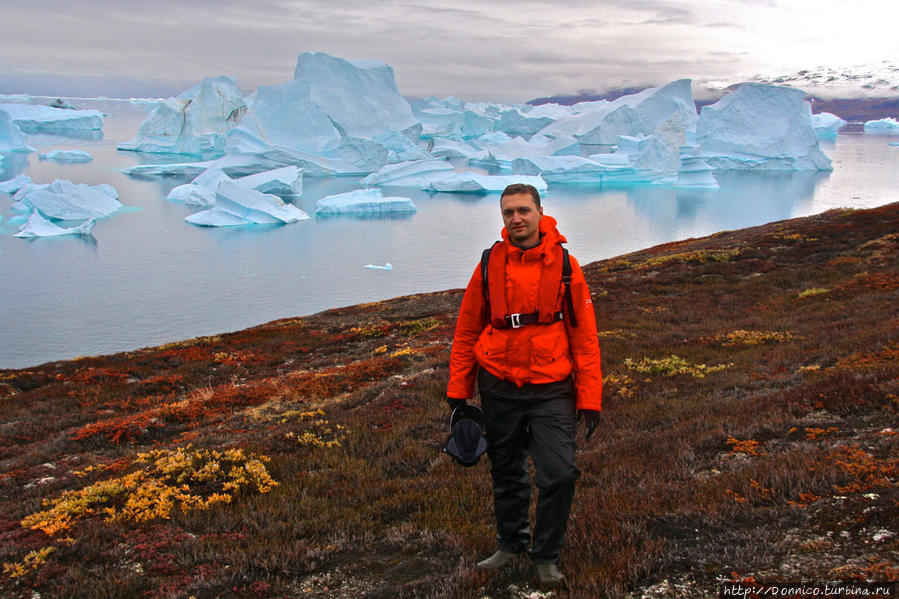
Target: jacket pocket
(490,347)
(550,346)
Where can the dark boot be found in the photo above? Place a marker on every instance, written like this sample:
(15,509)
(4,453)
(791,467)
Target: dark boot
(549,574)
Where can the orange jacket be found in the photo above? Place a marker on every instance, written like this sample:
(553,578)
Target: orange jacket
(539,353)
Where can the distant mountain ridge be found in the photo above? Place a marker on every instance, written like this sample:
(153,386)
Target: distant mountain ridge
(854,94)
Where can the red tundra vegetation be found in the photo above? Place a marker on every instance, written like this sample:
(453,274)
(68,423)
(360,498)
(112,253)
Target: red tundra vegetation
(752,388)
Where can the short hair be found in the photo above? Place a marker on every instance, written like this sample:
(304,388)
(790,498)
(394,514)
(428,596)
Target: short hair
(521,188)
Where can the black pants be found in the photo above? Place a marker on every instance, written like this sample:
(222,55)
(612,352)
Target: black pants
(539,420)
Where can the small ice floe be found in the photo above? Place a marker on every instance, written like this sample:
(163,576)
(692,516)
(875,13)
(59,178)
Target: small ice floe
(38,226)
(66,156)
(387,266)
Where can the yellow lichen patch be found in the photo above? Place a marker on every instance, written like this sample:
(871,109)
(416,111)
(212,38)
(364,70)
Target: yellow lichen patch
(30,563)
(179,479)
(694,257)
(321,434)
(620,384)
(741,337)
(812,292)
(673,365)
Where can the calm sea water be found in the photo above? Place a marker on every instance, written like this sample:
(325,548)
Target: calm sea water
(147,277)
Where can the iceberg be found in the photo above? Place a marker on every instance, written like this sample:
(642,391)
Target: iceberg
(64,200)
(760,127)
(11,137)
(359,96)
(236,205)
(476,183)
(363,202)
(31,118)
(286,181)
(504,153)
(418,173)
(66,156)
(443,147)
(193,123)
(826,125)
(15,184)
(885,126)
(600,123)
(387,266)
(38,226)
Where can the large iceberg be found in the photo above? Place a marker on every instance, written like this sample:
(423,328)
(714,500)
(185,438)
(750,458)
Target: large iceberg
(562,169)
(885,126)
(360,96)
(284,116)
(760,127)
(64,200)
(31,118)
(668,107)
(363,202)
(200,191)
(236,205)
(418,173)
(194,123)
(38,226)
(826,125)
(469,182)
(11,137)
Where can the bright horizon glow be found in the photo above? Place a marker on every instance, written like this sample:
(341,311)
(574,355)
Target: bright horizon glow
(508,51)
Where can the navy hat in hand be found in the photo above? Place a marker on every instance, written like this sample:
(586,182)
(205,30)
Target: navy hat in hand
(466,442)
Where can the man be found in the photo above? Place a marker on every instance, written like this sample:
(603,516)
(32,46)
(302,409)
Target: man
(529,339)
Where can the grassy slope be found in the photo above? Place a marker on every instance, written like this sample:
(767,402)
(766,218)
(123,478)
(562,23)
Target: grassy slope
(751,378)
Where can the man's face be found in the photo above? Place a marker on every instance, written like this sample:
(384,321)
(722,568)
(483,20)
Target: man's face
(521,218)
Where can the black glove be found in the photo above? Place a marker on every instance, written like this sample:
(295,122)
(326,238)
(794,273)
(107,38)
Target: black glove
(591,421)
(455,403)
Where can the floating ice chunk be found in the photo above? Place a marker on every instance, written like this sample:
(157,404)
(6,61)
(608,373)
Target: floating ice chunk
(360,96)
(600,123)
(418,173)
(363,202)
(38,226)
(826,125)
(11,137)
(237,205)
(200,191)
(15,184)
(387,266)
(66,156)
(194,123)
(64,200)
(476,183)
(241,164)
(760,127)
(32,118)
(894,143)
(286,181)
(886,126)
(565,169)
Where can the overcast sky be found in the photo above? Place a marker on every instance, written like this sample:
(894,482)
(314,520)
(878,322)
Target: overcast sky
(501,50)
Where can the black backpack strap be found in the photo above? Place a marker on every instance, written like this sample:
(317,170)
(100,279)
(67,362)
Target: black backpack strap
(566,278)
(485,259)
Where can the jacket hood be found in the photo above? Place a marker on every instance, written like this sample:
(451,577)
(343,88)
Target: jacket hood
(549,234)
